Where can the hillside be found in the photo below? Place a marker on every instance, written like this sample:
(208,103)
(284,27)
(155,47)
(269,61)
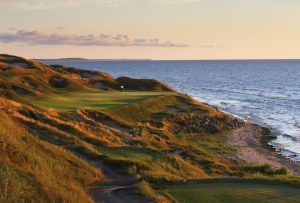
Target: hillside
(63,129)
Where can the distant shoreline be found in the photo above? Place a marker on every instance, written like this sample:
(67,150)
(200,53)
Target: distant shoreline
(84,59)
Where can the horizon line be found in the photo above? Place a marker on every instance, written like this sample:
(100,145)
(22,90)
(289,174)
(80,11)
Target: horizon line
(150,59)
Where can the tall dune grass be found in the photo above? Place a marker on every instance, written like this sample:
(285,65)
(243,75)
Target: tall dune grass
(33,170)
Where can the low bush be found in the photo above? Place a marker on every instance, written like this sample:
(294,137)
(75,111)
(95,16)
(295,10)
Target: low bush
(265,169)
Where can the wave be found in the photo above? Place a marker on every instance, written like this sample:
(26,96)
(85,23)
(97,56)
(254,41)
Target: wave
(292,138)
(230,102)
(286,147)
(227,112)
(290,154)
(285,97)
(252,108)
(297,123)
(277,97)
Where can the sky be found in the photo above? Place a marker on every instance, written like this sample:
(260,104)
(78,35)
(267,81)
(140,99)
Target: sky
(151,29)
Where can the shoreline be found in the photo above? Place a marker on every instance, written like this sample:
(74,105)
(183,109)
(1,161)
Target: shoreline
(271,132)
(267,137)
(252,142)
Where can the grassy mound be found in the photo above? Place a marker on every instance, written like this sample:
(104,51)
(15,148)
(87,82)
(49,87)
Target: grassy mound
(20,77)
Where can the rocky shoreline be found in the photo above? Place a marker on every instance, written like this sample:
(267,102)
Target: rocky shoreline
(252,142)
(267,136)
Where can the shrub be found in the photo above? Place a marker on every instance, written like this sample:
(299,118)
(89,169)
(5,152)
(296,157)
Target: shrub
(265,169)
(145,188)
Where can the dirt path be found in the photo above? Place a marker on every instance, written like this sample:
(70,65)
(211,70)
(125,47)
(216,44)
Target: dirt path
(117,188)
(251,142)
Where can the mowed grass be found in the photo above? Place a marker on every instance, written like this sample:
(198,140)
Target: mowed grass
(232,192)
(70,101)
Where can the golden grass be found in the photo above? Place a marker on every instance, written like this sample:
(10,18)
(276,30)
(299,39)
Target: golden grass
(38,170)
(145,188)
(144,110)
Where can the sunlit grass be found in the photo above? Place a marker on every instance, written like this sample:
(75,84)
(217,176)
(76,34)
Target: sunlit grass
(145,188)
(70,101)
(33,170)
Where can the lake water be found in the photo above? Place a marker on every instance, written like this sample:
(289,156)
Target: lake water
(262,91)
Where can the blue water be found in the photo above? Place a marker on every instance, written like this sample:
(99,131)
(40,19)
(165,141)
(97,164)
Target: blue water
(263,91)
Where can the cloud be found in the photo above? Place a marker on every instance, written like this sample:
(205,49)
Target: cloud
(177,1)
(40,38)
(50,4)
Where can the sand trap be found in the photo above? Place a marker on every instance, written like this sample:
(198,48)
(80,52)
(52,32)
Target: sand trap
(89,75)
(173,110)
(100,85)
(58,82)
(20,91)
(20,64)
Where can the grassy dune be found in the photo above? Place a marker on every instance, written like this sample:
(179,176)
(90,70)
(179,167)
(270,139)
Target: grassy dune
(34,170)
(70,101)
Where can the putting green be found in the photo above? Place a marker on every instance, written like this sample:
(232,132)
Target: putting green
(232,192)
(93,99)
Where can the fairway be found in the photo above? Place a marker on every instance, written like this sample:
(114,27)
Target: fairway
(92,99)
(232,192)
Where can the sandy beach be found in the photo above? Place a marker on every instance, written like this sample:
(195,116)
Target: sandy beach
(252,145)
